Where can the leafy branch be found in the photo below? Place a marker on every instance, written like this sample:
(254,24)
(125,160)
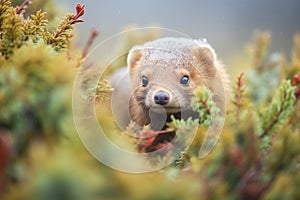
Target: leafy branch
(183,160)
(36,27)
(15,31)
(280,110)
(102,91)
(11,30)
(203,103)
(61,36)
(238,94)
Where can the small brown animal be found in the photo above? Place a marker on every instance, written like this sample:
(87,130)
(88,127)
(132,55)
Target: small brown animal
(165,72)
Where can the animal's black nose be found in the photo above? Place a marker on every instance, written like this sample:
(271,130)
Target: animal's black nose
(161,98)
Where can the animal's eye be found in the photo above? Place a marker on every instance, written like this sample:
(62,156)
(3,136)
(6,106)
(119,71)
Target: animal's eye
(184,80)
(144,81)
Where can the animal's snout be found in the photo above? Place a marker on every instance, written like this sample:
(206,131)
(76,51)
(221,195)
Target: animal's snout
(161,98)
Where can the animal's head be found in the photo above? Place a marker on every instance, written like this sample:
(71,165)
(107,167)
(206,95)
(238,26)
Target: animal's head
(165,72)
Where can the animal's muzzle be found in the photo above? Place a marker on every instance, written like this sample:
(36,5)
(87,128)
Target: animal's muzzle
(161,98)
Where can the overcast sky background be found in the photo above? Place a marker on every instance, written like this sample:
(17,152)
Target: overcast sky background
(227,24)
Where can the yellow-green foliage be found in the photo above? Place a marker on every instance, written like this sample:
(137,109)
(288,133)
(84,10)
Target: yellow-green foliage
(34,93)
(33,90)
(102,91)
(15,32)
(256,157)
(60,38)
(36,27)
(258,152)
(11,30)
(203,104)
(280,110)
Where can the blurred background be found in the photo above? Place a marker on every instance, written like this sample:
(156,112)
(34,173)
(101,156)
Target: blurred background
(228,25)
(41,155)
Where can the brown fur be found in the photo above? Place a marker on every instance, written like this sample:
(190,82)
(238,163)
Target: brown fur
(164,62)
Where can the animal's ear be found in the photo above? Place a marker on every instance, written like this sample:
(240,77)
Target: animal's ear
(133,58)
(204,58)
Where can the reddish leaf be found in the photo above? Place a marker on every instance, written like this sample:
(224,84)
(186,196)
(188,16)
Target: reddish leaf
(155,140)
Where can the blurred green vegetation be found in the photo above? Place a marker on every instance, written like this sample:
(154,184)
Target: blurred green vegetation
(41,156)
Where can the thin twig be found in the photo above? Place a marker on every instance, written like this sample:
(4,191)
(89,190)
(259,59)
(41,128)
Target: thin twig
(93,35)
(240,84)
(20,9)
(204,103)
